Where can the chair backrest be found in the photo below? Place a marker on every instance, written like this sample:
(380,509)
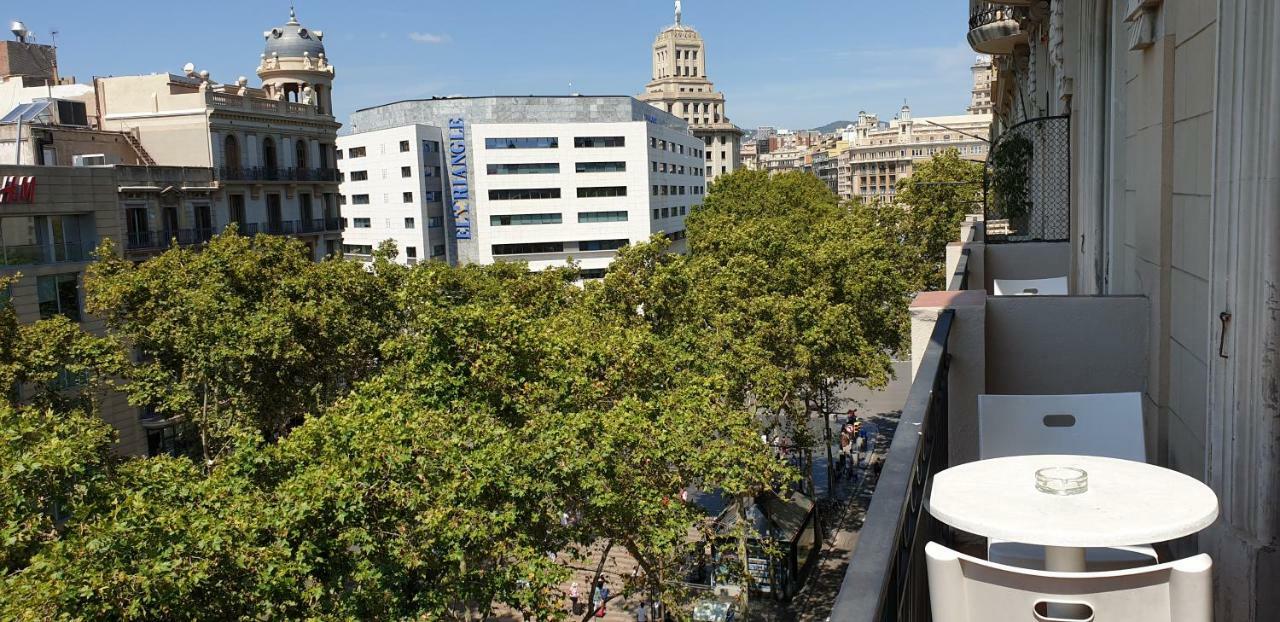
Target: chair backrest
(1099,424)
(1053,286)
(968,589)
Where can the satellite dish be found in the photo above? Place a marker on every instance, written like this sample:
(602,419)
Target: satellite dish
(189,68)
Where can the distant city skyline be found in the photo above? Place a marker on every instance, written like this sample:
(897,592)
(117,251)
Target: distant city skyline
(780,64)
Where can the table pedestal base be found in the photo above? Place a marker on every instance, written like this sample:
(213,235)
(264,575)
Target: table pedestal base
(1063,559)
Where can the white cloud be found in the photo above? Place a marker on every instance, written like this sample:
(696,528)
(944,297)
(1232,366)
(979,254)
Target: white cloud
(428,37)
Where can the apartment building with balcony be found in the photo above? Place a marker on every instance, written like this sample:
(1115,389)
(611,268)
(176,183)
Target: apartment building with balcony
(51,220)
(270,148)
(881,153)
(535,179)
(1166,234)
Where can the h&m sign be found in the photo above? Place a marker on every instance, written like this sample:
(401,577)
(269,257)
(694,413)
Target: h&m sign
(460,190)
(17,189)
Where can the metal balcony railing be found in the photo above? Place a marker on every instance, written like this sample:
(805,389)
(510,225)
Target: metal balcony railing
(1028,182)
(886,580)
(266,173)
(152,240)
(40,254)
(983,13)
(994,27)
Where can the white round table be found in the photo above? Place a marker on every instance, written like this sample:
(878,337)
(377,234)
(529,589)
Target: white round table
(1126,503)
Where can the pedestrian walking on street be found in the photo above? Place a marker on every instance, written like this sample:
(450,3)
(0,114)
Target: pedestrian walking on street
(642,612)
(574,595)
(601,597)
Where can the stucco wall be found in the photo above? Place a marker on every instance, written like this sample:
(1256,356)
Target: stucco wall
(1025,260)
(1058,344)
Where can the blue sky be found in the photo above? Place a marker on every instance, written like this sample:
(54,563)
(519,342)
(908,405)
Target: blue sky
(794,64)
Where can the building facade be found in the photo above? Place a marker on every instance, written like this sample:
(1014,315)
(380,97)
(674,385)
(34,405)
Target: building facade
(271,148)
(680,87)
(543,180)
(882,153)
(1174,184)
(150,161)
(983,74)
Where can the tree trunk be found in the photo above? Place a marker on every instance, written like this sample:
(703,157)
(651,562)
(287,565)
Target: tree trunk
(826,439)
(745,596)
(591,588)
(204,428)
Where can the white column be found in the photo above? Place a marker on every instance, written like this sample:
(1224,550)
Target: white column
(1243,452)
(252,150)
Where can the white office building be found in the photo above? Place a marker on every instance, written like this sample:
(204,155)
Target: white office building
(538,179)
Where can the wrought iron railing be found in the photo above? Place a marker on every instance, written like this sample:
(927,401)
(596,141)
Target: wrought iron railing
(1028,182)
(982,13)
(151,240)
(266,173)
(886,580)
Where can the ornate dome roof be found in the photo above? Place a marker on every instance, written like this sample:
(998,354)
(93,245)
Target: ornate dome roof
(292,40)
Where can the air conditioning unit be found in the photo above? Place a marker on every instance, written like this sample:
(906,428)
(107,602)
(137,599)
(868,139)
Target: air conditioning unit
(90,159)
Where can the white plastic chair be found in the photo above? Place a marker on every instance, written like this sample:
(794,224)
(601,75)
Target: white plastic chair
(1053,286)
(968,589)
(1099,424)
(1093,424)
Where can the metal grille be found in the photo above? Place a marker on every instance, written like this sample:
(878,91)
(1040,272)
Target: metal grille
(1028,182)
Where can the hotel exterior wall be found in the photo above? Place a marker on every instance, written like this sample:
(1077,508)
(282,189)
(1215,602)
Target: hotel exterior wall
(1026,260)
(565,118)
(1175,188)
(68,191)
(386,186)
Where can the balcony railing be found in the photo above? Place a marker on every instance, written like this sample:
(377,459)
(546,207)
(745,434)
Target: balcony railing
(1028,182)
(886,578)
(40,254)
(994,27)
(261,104)
(265,173)
(149,240)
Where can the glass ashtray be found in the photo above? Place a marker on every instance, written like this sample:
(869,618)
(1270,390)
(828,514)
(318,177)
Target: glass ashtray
(1062,480)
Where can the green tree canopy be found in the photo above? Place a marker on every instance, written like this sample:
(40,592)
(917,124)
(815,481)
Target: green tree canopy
(935,199)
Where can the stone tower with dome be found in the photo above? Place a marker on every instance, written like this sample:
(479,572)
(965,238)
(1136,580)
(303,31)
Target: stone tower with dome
(294,66)
(680,86)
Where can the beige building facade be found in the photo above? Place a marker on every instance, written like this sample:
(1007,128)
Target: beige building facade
(153,160)
(680,86)
(271,148)
(880,154)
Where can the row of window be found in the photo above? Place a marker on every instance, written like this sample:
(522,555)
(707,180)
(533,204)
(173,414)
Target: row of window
(665,191)
(669,212)
(523,194)
(530,248)
(410,252)
(405,172)
(673,147)
(409,223)
(547,168)
(360,152)
(551,142)
(678,169)
(555,218)
(431,196)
